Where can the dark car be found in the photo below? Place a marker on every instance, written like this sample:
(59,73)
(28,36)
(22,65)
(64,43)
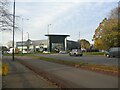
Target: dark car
(113,52)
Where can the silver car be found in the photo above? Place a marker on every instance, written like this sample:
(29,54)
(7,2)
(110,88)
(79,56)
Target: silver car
(76,52)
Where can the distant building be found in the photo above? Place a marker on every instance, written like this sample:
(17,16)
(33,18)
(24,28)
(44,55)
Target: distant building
(54,43)
(34,45)
(10,44)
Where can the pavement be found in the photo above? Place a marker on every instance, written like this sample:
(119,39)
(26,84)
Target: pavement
(0,70)
(91,59)
(70,77)
(20,76)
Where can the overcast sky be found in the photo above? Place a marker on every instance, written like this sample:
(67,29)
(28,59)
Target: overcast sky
(65,16)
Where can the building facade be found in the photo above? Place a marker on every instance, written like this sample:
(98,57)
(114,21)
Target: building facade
(53,43)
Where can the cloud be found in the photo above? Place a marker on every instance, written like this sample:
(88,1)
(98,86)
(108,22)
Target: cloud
(21,11)
(66,17)
(48,16)
(76,1)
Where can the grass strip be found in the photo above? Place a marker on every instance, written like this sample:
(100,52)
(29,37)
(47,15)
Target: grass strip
(73,63)
(79,64)
(93,53)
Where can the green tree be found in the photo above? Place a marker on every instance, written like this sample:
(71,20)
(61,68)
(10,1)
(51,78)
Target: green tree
(84,44)
(98,44)
(107,33)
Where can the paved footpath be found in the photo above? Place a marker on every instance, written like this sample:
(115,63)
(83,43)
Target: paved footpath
(70,76)
(20,76)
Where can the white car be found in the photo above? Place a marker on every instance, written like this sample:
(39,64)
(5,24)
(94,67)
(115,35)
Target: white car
(0,53)
(76,52)
(46,52)
(24,51)
(62,52)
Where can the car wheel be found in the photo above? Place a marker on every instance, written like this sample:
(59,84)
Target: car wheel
(81,54)
(108,56)
(113,56)
(75,54)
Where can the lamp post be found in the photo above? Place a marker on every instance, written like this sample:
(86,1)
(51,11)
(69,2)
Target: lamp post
(28,35)
(28,43)
(48,28)
(48,37)
(79,46)
(22,32)
(22,35)
(13,27)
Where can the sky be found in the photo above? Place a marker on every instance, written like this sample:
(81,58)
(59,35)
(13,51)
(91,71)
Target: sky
(65,16)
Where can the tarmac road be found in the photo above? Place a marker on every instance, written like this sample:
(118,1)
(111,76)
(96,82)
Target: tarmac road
(71,77)
(92,59)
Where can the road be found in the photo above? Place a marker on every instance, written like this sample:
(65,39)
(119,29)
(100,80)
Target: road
(21,77)
(92,59)
(69,76)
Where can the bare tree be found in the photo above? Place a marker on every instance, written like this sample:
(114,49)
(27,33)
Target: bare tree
(5,16)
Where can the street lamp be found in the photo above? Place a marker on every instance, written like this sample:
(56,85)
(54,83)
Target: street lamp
(28,35)
(28,43)
(48,28)
(22,32)
(79,44)
(48,37)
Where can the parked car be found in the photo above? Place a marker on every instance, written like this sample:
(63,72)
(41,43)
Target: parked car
(46,52)
(113,52)
(1,54)
(62,52)
(24,51)
(76,52)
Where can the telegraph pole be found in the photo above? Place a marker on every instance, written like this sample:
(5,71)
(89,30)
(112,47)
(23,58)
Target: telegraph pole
(13,26)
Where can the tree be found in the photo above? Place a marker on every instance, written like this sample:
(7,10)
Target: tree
(84,44)
(5,16)
(98,43)
(107,33)
(111,29)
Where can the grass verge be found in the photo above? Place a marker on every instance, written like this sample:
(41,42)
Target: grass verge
(94,67)
(82,65)
(93,53)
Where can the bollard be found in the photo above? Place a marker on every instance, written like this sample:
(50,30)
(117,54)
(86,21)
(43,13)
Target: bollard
(4,69)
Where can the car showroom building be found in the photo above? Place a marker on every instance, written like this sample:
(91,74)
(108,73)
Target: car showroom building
(54,42)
